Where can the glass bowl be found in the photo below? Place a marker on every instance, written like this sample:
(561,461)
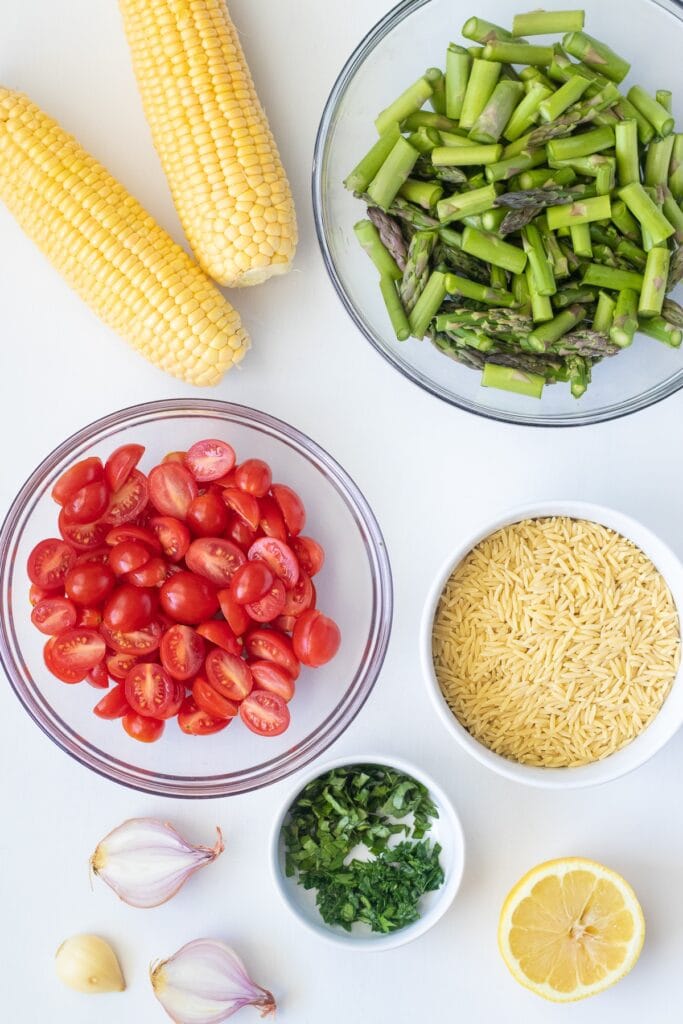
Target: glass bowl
(410,38)
(354,587)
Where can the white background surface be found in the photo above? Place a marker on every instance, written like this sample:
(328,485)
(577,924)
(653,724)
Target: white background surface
(430,473)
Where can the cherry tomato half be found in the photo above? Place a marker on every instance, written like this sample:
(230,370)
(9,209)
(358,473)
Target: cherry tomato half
(137,642)
(240,533)
(269,676)
(188,598)
(130,608)
(128,502)
(89,618)
(210,460)
(182,652)
(254,477)
(218,632)
(251,582)
(98,676)
(152,692)
(214,558)
(265,713)
(210,700)
(121,464)
(53,615)
(234,613)
(270,605)
(271,645)
(271,522)
(207,515)
(113,704)
(300,597)
(228,674)
(279,558)
(82,536)
(139,727)
(195,722)
(310,554)
(243,505)
(152,574)
(172,535)
(128,556)
(316,638)
(119,665)
(89,583)
(136,534)
(291,506)
(88,504)
(172,489)
(36,594)
(49,563)
(79,475)
(73,653)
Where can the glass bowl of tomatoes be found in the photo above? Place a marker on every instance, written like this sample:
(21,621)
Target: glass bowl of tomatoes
(215,583)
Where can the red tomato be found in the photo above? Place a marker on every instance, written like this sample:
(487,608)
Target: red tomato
(285,623)
(121,464)
(235,615)
(226,481)
(53,615)
(98,676)
(72,654)
(270,605)
(228,674)
(316,638)
(119,665)
(130,608)
(218,632)
(36,594)
(270,645)
(210,460)
(265,713)
(182,652)
(271,521)
(310,554)
(88,504)
(137,641)
(152,692)
(239,532)
(207,515)
(136,534)
(151,574)
(244,505)
(210,700)
(251,582)
(173,536)
(172,489)
(279,558)
(89,584)
(99,555)
(291,506)
(300,597)
(84,472)
(214,558)
(175,457)
(138,727)
(196,722)
(90,618)
(269,676)
(188,598)
(113,704)
(128,502)
(254,477)
(82,536)
(128,556)
(50,562)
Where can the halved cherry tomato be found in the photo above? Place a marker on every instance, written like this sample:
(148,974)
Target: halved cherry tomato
(269,676)
(172,489)
(89,584)
(152,574)
(265,713)
(152,692)
(210,700)
(279,558)
(81,473)
(182,652)
(173,536)
(130,608)
(50,562)
(235,615)
(226,481)
(98,676)
(207,515)
(210,460)
(136,534)
(128,556)
(137,641)
(195,722)
(228,674)
(99,555)
(310,554)
(53,615)
(291,506)
(121,464)
(119,665)
(74,653)
(285,623)
(36,594)
(89,618)
(244,505)
(88,504)
(175,457)
(254,477)
(271,645)
(316,638)
(271,522)
(300,597)
(113,704)
(188,598)
(251,582)
(82,536)
(270,605)
(138,727)
(65,674)
(240,532)
(218,632)
(214,558)
(128,502)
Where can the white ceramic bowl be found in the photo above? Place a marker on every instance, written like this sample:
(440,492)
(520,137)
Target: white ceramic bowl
(446,830)
(661,729)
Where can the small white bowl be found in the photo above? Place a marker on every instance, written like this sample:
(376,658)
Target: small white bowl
(644,746)
(446,830)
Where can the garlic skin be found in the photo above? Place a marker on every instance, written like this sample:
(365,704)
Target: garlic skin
(88,964)
(146,862)
(206,982)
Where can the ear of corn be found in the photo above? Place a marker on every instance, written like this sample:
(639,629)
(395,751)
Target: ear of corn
(111,251)
(213,138)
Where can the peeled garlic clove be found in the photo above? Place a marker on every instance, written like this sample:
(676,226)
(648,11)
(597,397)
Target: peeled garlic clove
(145,861)
(88,964)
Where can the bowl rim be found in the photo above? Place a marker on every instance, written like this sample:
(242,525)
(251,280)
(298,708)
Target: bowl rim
(110,767)
(445,896)
(616,410)
(629,757)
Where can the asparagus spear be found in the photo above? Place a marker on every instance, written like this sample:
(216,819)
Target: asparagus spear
(672,312)
(661,330)
(540,23)
(458,65)
(489,126)
(399,163)
(596,55)
(408,102)
(483,79)
(368,236)
(416,271)
(654,282)
(390,234)
(603,317)
(625,323)
(397,314)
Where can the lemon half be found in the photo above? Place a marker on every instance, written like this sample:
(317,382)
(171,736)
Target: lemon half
(570,928)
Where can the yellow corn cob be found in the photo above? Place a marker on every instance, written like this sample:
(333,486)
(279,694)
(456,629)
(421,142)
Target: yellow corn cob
(218,153)
(111,251)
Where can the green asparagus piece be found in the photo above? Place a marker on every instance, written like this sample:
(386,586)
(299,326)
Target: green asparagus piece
(626,143)
(604,313)
(646,212)
(673,312)
(565,97)
(530,74)
(661,330)
(654,282)
(424,140)
(626,111)
(492,219)
(520,291)
(568,296)
(506,378)
(410,215)
(541,306)
(390,234)
(585,342)
(518,53)
(658,116)
(368,236)
(546,177)
(466,156)
(429,119)
(475,339)
(631,253)
(489,126)
(579,375)
(517,219)
(416,272)
(396,168)
(456,285)
(581,240)
(483,79)
(493,250)
(580,212)
(458,64)
(399,320)
(665,99)
(505,169)
(625,322)
(676,169)
(624,221)
(596,55)
(542,272)
(437,100)
(526,113)
(427,304)
(499,323)
(534,197)
(553,249)
(609,277)
(548,333)
(407,103)
(590,142)
(363,173)
(424,193)
(606,176)
(540,23)
(458,206)
(658,161)
(674,214)
(481,31)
